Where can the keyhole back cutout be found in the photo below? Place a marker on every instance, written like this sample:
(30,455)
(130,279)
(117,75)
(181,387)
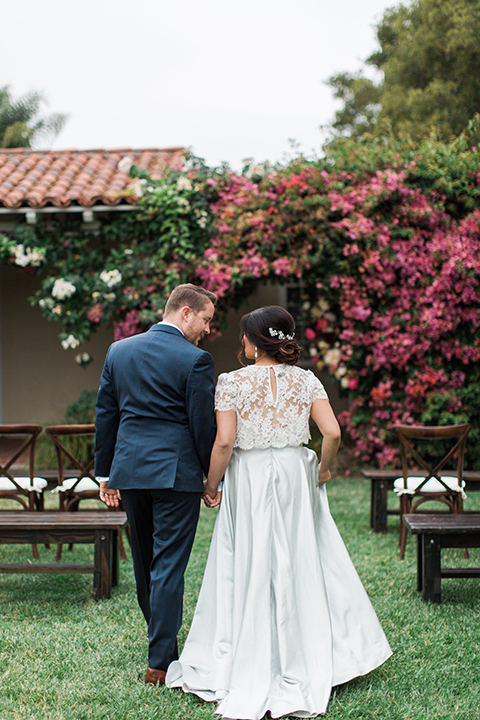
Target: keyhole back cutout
(273,383)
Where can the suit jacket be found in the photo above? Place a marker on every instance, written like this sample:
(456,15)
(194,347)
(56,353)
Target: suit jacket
(155,421)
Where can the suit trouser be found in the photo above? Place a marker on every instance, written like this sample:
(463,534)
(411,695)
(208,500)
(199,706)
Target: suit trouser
(162,526)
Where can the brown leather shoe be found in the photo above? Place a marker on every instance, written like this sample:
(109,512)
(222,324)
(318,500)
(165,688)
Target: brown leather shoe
(155,677)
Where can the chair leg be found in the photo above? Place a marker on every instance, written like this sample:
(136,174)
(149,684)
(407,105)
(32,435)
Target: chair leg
(73,507)
(404,509)
(36,504)
(458,509)
(40,507)
(58,554)
(403,540)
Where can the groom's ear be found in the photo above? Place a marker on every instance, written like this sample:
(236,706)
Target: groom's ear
(186,312)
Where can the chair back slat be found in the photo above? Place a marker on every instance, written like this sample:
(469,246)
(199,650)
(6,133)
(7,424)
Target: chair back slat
(57,433)
(413,493)
(16,440)
(406,433)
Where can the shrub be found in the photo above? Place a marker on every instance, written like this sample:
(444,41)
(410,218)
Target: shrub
(383,237)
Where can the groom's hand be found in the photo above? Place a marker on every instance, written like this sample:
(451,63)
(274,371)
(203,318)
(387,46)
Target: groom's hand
(108,496)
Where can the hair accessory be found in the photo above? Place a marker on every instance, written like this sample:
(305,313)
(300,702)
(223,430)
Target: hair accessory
(280,334)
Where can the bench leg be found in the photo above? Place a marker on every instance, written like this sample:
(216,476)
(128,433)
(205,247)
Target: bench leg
(419,563)
(431,569)
(102,576)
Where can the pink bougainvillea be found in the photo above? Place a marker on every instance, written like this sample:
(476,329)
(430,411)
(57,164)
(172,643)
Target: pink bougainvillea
(391,278)
(95,313)
(128,327)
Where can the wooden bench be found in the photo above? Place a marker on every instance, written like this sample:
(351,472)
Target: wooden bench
(435,532)
(382,481)
(99,528)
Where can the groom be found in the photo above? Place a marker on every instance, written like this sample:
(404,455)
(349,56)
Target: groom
(155,427)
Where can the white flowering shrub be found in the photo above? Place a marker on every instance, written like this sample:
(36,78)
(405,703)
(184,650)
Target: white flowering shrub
(183,183)
(70,342)
(83,359)
(125,164)
(202,218)
(111,277)
(138,187)
(62,289)
(28,256)
(122,271)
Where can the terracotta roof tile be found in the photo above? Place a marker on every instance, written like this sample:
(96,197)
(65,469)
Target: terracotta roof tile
(38,178)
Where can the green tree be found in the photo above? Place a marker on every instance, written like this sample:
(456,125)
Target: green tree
(430,60)
(361,103)
(21,123)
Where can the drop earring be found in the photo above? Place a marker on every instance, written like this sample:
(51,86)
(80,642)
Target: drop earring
(256,353)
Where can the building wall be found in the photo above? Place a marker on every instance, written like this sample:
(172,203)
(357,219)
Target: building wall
(39,379)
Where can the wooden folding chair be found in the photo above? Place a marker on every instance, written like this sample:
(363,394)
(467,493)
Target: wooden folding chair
(17,458)
(428,482)
(78,482)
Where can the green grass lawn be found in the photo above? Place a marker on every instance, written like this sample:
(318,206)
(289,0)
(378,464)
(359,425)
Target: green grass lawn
(65,657)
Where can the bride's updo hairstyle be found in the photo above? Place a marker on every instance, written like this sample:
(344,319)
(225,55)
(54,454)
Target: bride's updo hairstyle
(272,330)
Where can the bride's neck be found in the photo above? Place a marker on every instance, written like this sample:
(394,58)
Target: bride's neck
(266,362)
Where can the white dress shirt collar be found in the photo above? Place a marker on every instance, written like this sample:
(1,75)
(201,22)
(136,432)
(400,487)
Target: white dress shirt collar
(162,322)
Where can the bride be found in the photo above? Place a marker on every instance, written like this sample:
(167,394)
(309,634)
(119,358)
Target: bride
(282,616)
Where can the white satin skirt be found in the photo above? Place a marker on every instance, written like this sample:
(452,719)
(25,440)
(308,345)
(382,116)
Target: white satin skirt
(282,615)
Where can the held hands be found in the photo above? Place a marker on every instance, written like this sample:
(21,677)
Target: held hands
(108,496)
(323,476)
(211,497)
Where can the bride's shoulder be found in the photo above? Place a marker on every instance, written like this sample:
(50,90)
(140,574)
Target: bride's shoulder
(298,372)
(307,376)
(232,376)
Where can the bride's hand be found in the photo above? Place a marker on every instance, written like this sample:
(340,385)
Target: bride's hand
(324,476)
(212,502)
(211,497)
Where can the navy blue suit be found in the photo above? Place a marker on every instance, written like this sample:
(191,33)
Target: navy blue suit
(155,428)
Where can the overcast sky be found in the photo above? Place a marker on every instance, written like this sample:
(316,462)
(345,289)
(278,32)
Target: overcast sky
(229,79)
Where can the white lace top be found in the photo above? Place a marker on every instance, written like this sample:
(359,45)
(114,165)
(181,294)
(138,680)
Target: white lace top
(262,420)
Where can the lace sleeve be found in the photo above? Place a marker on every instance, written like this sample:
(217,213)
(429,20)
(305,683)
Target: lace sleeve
(226,393)
(318,391)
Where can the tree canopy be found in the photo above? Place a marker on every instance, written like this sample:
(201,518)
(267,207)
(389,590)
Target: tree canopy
(429,57)
(21,122)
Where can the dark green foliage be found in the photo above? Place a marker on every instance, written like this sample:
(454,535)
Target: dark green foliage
(361,104)
(429,57)
(82,410)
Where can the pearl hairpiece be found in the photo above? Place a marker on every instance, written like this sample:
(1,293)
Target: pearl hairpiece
(280,334)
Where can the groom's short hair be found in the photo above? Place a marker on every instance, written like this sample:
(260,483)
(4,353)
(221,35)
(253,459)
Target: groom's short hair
(192,296)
